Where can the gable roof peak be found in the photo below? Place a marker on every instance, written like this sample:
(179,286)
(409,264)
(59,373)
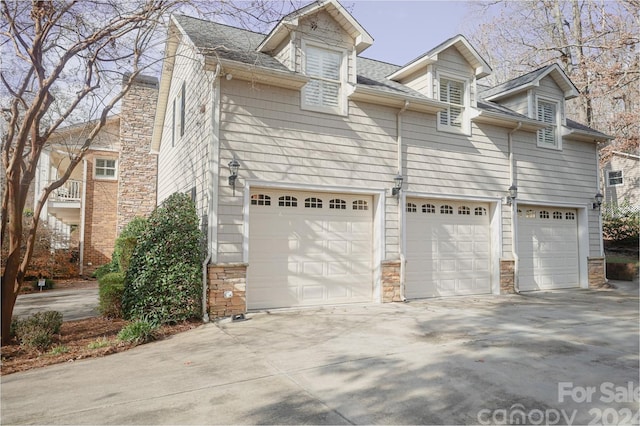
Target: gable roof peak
(532,79)
(460,42)
(291,21)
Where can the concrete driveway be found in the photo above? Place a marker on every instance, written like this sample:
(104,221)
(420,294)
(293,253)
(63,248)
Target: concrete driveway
(562,357)
(74,304)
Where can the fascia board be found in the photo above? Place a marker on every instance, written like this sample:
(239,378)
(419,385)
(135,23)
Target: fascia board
(256,73)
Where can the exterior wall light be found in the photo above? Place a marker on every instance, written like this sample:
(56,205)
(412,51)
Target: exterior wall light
(233,173)
(397,185)
(513,194)
(598,201)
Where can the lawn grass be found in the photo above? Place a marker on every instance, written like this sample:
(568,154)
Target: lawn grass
(621,258)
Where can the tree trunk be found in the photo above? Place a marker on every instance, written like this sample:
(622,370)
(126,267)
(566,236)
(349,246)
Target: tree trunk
(9,296)
(12,276)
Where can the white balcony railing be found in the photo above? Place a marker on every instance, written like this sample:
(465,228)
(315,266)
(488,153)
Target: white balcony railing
(70,191)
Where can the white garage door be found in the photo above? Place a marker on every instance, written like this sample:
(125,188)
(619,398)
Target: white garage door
(448,248)
(309,249)
(547,248)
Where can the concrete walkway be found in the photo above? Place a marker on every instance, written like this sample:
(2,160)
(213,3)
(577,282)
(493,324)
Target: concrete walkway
(442,361)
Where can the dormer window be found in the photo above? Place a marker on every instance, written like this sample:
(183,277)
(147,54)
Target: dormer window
(325,91)
(547,112)
(453,92)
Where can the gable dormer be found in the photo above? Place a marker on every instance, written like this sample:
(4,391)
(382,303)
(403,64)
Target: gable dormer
(540,95)
(320,41)
(448,73)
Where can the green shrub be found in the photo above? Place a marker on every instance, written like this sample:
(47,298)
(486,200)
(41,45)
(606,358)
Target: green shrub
(621,223)
(111,289)
(38,330)
(164,279)
(105,269)
(138,332)
(127,241)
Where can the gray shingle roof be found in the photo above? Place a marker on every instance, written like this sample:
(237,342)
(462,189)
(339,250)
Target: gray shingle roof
(236,44)
(584,128)
(518,81)
(223,41)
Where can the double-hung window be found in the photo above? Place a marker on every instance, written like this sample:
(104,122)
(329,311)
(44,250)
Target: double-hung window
(547,113)
(324,90)
(105,168)
(453,93)
(614,178)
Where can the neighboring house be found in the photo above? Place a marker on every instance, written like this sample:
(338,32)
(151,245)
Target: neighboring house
(115,182)
(621,179)
(322,136)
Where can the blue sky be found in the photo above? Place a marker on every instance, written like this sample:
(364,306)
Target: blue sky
(403,30)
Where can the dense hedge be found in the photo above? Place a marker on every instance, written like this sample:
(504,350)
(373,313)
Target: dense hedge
(164,281)
(124,246)
(111,289)
(621,224)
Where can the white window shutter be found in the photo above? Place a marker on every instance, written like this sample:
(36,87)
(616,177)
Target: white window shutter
(452,92)
(324,68)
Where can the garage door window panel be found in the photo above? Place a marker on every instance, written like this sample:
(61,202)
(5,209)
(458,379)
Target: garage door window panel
(337,204)
(287,201)
(360,205)
(313,203)
(446,209)
(412,208)
(428,208)
(260,200)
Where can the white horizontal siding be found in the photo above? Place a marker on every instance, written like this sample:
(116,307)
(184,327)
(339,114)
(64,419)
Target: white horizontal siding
(518,103)
(275,141)
(183,165)
(451,164)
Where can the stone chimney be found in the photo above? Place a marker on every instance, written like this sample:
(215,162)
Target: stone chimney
(138,167)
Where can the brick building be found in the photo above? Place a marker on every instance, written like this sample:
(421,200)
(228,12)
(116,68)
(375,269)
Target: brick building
(115,182)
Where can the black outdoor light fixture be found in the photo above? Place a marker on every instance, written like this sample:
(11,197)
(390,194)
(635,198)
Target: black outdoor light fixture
(598,197)
(233,169)
(397,185)
(513,193)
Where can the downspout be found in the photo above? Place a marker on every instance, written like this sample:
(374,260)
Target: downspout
(599,210)
(83,208)
(210,196)
(403,259)
(514,211)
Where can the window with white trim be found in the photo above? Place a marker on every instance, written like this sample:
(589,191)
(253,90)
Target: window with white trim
(412,208)
(453,93)
(547,113)
(614,177)
(105,168)
(324,91)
